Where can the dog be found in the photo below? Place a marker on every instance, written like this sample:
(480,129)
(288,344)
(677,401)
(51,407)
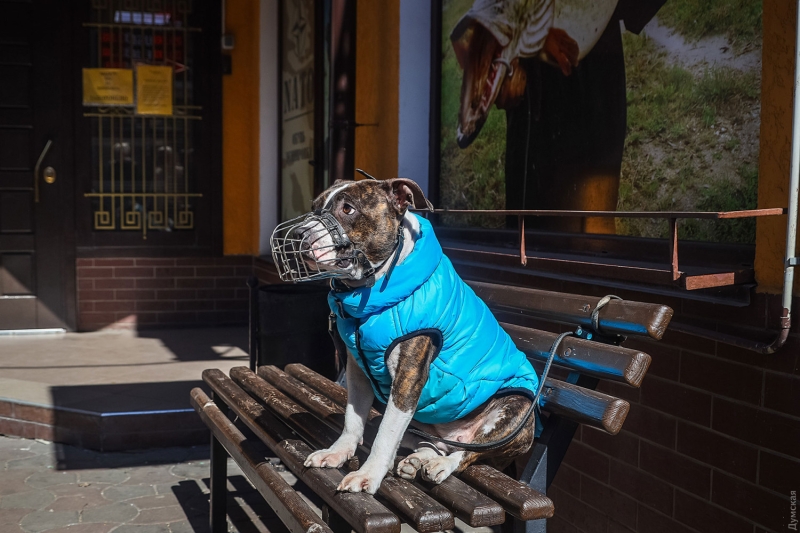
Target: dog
(417,337)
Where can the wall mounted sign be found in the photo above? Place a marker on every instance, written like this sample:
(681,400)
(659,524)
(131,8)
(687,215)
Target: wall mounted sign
(153,90)
(107,87)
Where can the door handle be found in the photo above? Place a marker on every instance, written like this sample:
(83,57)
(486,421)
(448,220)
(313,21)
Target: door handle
(36,170)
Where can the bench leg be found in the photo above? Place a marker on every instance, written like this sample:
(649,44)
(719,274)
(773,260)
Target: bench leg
(219,480)
(535,475)
(335,520)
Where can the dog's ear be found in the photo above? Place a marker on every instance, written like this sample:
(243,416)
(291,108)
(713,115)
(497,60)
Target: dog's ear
(405,192)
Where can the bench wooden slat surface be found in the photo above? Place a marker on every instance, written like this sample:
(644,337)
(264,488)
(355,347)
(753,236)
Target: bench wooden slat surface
(293,511)
(525,504)
(423,512)
(604,361)
(584,406)
(623,317)
(361,511)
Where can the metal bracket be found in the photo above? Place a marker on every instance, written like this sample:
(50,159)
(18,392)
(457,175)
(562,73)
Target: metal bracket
(793,262)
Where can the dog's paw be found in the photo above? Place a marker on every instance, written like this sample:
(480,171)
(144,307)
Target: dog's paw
(329,458)
(438,469)
(363,480)
(408,467)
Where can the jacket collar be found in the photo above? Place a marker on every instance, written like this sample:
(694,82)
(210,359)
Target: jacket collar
(407,277)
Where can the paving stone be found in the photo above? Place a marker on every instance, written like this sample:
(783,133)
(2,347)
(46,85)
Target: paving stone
(48,478)
(102,476)
(148,528)
(14,481)
(11,517)
(119,493)
(161,515)
(37,461)
(154,502)
(113,512)
(70,489)
(31,499)
(10,454)
(198,470)
(149,475)
(44,520)
(85,499)
(85,528)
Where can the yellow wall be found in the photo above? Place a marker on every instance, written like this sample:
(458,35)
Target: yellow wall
(776,139)
(240,214)
(377,86)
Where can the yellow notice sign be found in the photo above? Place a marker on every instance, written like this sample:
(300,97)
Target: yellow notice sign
(107,86)
(153,90)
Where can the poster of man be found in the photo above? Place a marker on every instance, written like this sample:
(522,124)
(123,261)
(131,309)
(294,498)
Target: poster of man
(601,105)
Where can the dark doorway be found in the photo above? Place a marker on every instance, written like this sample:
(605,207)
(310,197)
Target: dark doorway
(37,264)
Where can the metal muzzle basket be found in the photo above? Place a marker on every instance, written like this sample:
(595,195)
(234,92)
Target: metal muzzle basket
(308,248)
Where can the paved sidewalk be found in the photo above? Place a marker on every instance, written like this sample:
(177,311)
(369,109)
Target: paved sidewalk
(153,491)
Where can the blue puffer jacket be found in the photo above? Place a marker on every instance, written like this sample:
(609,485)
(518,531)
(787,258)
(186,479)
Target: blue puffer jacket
(425,295)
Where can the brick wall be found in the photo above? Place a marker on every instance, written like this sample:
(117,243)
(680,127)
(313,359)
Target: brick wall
(712,441)
(135,292)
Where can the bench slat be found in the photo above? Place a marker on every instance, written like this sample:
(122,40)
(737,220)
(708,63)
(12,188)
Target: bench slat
(623,317)
(525,503)
(293,511)
(584,406)
(603,361)
(361,511)
(412,504)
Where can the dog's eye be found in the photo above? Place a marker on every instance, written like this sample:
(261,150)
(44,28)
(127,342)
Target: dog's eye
(348,209)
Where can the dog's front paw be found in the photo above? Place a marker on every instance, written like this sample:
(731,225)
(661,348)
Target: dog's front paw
(438,469)
(363,480)
(328,458)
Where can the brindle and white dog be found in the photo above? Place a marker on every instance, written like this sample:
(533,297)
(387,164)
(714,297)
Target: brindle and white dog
(371,214)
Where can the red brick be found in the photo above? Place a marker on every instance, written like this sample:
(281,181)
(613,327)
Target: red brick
(750,501)
(96,319)
(195,305)
(195,283)
(568,479)
(133,272)
(222,317)
(6,408)
(623,446)
(629,394)
(778,473)
(216,272)
(782,393)
(242,294)
(126,318)
(17,428)
(665,359)
(115,306)
(227,283)
(707,518)
(720,377)
(34,413)
(94,272)
(113,262)
(786,360)
(157,283)
(643,487)
(216,294)
(196,261)
(559,525)
(114,283)
(717,450)
(157,305)
(85,284)
(135,295)
(95,295)
(150,261)
(588,461)
(177,318)
(676,469)
(616,527)
(651,425)
(757,426)
(577,513)
(244,271)
(84,262)
(232,305)
(650,521)
(86,306)
(611,502)
(147,318)
(176,294)
(174,272)
(676,399)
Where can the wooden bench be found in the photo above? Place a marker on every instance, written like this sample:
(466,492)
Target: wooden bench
(288,413)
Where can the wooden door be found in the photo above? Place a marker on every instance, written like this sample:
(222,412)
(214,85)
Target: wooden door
(36,230)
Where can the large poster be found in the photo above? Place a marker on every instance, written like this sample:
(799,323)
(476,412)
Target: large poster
(297,107)
(640,105)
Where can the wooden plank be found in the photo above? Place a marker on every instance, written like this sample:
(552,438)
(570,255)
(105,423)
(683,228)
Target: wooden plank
(603,361)
(361,511)
(468,504)
(527,504)
(293,511)
(424,513)
(623,317)
(584,406)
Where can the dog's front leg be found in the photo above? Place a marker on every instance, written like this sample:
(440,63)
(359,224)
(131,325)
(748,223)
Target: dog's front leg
(409,364)
(359,401)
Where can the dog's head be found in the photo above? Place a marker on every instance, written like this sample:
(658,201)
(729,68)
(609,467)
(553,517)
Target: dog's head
(352,230)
